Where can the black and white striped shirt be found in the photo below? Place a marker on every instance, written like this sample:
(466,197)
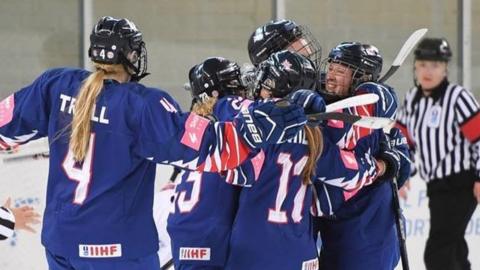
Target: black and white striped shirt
(7,223)
(444,129)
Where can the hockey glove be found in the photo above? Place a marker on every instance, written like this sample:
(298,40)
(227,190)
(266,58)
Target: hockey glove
(265,123)
(311,102)
(399,143)
(391,158)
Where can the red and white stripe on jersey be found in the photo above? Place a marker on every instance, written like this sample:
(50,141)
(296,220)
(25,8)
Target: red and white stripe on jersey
(230,152)
(349,159)
(367,179)
(6,115)
(239,177)
(470,128)
(405,133)
(356,132)
(6,110)
(257,163)
(6,148)
(336,123)
(10,144)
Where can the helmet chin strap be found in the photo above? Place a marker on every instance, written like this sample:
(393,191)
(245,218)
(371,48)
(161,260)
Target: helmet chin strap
(137,73)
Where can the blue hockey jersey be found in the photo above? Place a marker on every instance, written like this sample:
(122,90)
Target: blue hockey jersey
(272,229)
(361,234)
(204,208)
(102,208)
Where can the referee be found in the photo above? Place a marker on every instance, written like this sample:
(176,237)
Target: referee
(442,123)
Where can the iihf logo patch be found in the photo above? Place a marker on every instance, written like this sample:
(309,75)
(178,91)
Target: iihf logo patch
(433,116)
(84,251)
(194,254)
(100,251)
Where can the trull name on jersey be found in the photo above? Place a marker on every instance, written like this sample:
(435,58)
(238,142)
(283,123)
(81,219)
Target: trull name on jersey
(69,101)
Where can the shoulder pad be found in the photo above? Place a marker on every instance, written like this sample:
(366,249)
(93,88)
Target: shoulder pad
(387,103)
(227,107)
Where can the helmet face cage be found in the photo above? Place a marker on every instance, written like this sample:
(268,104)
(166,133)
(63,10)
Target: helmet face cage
(358,76)
(364,60)
(309,46)
(281,35)
(118,41)
(215,77)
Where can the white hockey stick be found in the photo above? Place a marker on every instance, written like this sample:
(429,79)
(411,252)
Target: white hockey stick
(353,102)
(404,52)
(361,121)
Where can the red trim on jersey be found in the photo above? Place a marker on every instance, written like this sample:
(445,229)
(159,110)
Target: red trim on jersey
(404,131)
(233,153)
(349,160)
(257,163)
(471,128)
(359,132)
(347,195)
(4,145)
(238,149)
(6,110)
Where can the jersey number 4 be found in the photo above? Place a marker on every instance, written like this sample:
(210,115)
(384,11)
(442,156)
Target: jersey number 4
(80,172)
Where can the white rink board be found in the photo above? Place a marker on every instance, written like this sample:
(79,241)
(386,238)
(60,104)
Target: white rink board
(417,226)
(26,183)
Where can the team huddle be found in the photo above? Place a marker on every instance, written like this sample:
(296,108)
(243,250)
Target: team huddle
(264,177)
(332,178)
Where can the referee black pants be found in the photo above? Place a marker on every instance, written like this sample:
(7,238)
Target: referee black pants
(451,204)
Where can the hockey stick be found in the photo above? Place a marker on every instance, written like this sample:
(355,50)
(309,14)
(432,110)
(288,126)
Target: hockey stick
(176,171)
(19,158)
(361,121)
(167,265)
(352,102)
(402,238)
(404,52)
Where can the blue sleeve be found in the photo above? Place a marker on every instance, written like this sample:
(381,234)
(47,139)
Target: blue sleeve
(349,170)
(185,139)
(24,115)
(248,172)
(387,103)
(340,175)
(227,107)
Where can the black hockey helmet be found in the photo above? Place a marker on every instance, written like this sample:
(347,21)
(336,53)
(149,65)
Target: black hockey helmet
(215,77)
(113,40)
(434,49)
(285,72)
(278,35)
(364,60)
